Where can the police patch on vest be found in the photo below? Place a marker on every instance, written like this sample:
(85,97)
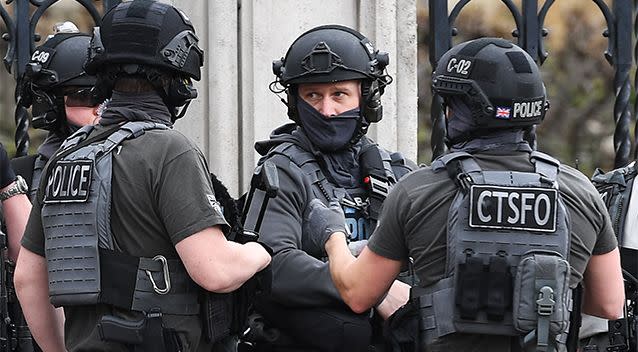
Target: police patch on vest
(528,109)
(517,208)
(69,181)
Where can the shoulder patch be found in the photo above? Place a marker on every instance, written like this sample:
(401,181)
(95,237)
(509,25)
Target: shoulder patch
(215,204)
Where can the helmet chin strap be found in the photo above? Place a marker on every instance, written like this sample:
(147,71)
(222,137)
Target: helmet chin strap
(360,131)
(182,112)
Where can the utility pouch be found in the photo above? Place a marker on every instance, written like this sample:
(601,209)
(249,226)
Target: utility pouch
(401,329)
(542,298)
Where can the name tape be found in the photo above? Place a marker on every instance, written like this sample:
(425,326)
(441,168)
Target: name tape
(69,181)
(515,208)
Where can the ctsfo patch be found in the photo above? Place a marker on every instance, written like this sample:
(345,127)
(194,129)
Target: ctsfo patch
(513,208)
(69,181)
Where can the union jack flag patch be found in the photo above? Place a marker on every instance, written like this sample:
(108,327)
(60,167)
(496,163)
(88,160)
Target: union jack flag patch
(503,113)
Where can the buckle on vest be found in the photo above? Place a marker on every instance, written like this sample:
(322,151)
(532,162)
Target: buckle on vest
(377,186)
(167,276)
(545,302)
(464,181)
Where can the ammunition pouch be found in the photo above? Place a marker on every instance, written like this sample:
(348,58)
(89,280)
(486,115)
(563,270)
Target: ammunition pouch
(401,330)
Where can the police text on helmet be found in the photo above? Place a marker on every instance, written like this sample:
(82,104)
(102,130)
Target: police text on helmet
(528,109)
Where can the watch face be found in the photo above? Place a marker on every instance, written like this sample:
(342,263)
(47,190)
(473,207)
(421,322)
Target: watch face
(19,187)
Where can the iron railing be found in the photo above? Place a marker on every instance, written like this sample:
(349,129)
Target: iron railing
(529,33)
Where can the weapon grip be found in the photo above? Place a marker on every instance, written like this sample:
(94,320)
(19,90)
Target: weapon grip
(266,179)
(265,182)
(116,329)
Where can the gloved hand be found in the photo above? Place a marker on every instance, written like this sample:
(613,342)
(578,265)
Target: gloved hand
(7,175)
(319,223)
(356,247)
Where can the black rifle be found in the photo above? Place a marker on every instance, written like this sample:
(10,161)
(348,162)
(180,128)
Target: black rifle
(5,321)
(623,332)
(14,331)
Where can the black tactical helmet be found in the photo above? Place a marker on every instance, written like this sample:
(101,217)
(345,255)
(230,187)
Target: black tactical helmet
(149,33)
(334,53)
(151,39)
(499,81)
(56,70)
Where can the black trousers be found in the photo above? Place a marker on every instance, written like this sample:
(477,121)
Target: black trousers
(317,329)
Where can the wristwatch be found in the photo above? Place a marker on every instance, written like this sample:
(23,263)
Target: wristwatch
(19,187)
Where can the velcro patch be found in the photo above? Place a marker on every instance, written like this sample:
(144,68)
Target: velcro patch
(460,66)
(69,181)
(514,208)
(528,109)
(43,56)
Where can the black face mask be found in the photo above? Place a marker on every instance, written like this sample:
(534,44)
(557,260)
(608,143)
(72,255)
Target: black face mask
(461,122)
(328,134)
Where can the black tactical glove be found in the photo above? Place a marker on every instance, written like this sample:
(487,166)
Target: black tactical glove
(319,223)
(7,175)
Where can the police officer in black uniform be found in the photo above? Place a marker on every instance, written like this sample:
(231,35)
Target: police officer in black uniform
(500,234)
(58,90)
(619,191)
(333,78)
(126,232)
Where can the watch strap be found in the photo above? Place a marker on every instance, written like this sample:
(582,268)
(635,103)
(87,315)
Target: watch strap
(19,186)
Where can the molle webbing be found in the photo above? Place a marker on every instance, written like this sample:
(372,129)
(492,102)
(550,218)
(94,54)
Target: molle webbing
(488,236)
(374,162)
(82,263)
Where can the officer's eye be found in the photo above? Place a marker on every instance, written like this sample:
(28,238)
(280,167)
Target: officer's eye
(313,96)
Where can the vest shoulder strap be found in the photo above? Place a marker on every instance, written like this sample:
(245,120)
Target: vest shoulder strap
(376,162)
(77,137)
(24,166)
(460,166)
(545,165)
(303,159)
(130,130)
